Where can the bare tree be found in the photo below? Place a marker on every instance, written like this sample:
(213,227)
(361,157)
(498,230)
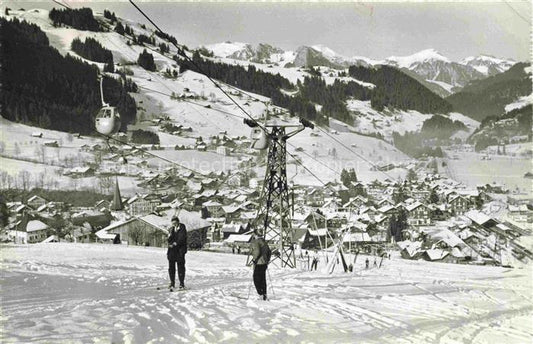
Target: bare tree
(105,183)
(17,149)
(40,152)
(135,233)
(25,179)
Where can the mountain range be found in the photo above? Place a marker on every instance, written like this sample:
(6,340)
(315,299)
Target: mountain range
(431,68)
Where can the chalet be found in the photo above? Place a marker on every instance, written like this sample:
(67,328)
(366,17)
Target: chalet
(418,214)
(21,209)
(223,150)
(233,228)
(315,220)
(435,255)
(249,205)
(82,172)
(248,216)
(384,202)
(213,208)
(232,213)
(480,220)
(331,205)
(208,183)
(358,187)
(46,209)
(239,239)
(102,204)
(315,198)
(143,204)
(410,249)
(193,186)
(37,134)
(152,230)
(458,205)
(36,201)
(387,210)
(335,220)
(35,231)
(51,144)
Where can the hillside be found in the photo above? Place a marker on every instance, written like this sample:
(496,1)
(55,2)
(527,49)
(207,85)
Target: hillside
(43,88)
(429,67)
(488,97)
(199,105)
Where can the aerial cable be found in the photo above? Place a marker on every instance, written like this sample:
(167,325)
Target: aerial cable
(228,113)
(182,53)
(62,4)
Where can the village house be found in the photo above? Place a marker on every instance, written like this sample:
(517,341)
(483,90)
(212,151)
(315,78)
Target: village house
(36,201)
(102,205)
(212,209)
(140,205)
(232,213)
(35,231)
(81,172)
(418,214)
(458,205)
(233,228)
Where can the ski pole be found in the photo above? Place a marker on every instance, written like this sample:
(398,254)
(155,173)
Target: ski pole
(271,285)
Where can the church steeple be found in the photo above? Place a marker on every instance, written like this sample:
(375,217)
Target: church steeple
(117,199)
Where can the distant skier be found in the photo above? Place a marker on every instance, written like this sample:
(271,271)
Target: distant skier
(177,248)
(261,257)
(314,264)
(367,262)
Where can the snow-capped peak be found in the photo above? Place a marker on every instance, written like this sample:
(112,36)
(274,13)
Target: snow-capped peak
(327,52)
(226,49)
(421,56)
(488,65)
(484,58)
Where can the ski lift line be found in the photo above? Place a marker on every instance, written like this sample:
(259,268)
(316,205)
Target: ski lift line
(108,137)
(182,53)
(191,102)
(61,4)
(294,157)
(516,12)
(355,153)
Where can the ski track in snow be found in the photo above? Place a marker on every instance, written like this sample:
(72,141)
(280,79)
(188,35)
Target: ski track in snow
(76,293)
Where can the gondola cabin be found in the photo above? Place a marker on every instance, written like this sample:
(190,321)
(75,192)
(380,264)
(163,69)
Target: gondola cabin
(107,120)
(259,139)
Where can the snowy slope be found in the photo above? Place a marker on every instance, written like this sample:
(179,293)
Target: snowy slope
(92,293)
(368,120)
(519,103)
(210,111)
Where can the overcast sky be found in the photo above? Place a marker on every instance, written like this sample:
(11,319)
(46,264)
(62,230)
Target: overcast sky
(372,29)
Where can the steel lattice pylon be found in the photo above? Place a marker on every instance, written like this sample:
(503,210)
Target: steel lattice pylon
(274,215)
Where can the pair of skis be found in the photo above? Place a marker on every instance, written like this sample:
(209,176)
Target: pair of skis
(171,289)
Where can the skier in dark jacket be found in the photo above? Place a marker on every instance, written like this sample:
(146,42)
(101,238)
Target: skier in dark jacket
(261,257)
(177,248)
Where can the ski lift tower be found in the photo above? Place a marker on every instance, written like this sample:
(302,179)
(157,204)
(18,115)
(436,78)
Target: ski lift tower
(274,216)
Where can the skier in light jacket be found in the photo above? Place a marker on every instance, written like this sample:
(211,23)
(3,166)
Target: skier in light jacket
(261,257)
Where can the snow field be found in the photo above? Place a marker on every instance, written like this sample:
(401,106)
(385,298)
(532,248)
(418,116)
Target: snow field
(92,293)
